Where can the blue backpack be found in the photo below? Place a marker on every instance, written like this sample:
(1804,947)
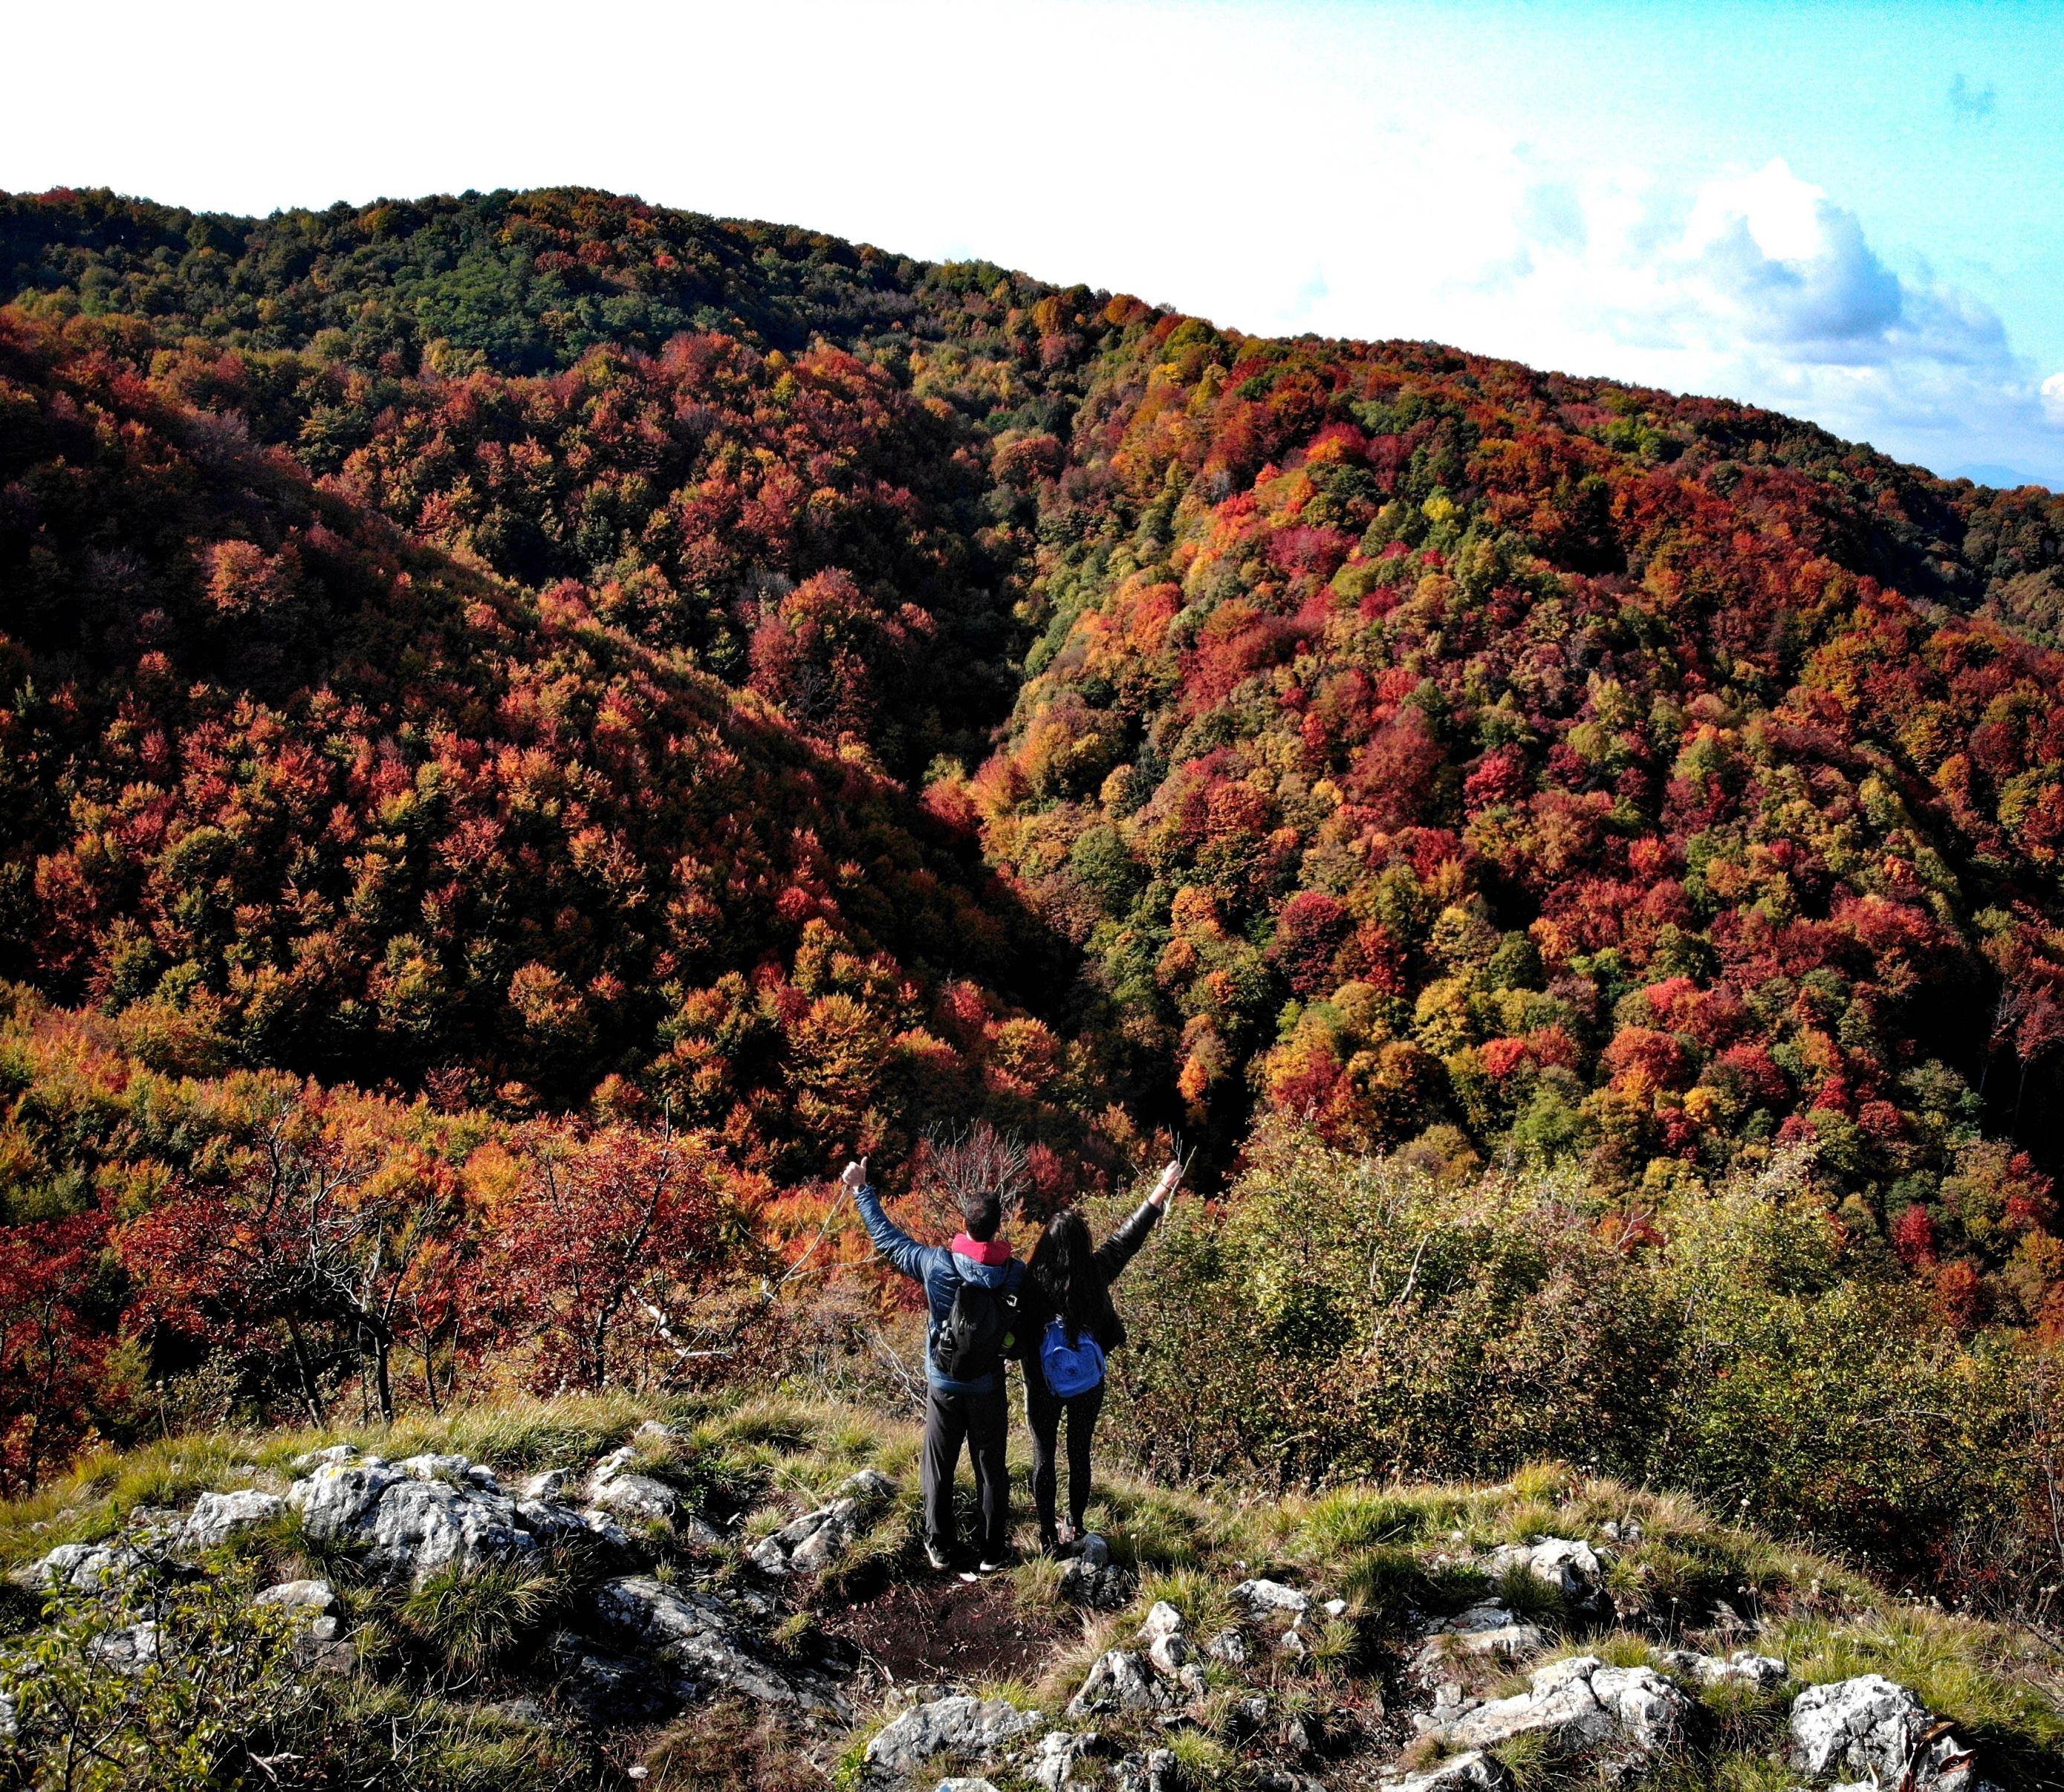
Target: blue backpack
(1069,1369)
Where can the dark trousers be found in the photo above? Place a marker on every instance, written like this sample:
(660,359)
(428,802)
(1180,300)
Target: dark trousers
(1044,1413)
(982,1421)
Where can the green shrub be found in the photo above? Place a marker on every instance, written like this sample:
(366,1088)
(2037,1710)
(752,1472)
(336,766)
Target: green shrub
(1339,1318)
(215,1671)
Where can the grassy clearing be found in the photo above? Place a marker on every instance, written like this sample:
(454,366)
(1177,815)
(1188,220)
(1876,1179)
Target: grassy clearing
(1392,1554)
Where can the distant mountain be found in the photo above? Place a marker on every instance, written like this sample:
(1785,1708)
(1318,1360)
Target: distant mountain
(2004,479)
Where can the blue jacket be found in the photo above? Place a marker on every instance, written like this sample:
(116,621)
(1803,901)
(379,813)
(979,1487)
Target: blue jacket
(941,1272)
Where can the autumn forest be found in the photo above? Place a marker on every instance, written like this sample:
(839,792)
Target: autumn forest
(532,725)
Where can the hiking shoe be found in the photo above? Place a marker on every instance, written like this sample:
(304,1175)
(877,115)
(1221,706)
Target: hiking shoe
(991,1567)
(936,1557)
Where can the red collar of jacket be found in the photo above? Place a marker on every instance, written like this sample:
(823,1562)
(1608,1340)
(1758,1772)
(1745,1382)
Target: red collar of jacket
(994,1252)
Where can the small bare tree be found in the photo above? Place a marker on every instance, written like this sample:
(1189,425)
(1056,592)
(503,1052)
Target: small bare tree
(955,1163)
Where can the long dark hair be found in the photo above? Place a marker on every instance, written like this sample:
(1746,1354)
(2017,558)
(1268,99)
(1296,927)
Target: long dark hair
(1064,1265)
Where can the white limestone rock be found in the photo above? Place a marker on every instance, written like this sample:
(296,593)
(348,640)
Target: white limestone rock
(217,1517)
(1118,1682)
(1259,1597)
(807,1544)
(316,1597)
(1052,1765)
(1868,1727)
(1580,1706)
(319,1643)
(1168,1647)
(1091,1578)
(642,1498)
(127,1648)
(87,1567)
(1485,1629)
(1473,1772)
(1572,1567)
(410,1519)
(551,1487)
(959,1727)
(1743,1668)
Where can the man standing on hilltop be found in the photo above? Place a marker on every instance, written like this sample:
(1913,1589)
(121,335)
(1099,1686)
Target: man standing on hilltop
(971,1286)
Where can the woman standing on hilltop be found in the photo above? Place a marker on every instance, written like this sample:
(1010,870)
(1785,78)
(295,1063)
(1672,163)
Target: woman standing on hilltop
(1069,1326)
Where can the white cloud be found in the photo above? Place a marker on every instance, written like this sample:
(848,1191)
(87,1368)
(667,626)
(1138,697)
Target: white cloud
(1754,284)
(1356,170)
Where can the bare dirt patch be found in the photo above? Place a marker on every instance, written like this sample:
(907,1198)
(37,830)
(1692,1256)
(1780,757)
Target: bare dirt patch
(945,1630)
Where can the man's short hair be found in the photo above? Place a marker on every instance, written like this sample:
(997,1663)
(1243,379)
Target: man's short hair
(982,1213)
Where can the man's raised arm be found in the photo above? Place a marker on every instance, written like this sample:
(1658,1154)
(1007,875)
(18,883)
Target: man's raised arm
(903,1251)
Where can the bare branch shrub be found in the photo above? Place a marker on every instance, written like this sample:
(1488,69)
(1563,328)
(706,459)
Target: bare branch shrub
(951,1164)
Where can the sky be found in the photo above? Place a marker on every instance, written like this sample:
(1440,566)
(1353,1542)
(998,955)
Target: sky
(1847,212)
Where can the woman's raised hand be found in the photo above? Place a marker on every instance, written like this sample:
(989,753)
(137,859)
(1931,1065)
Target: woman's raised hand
(853,1175)
(1170,1178)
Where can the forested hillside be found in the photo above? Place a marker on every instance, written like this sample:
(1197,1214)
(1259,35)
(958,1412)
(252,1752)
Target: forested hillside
(488,675)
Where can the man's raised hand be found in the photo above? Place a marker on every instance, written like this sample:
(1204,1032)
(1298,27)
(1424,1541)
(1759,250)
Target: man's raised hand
(853,1176)
(1169,1178)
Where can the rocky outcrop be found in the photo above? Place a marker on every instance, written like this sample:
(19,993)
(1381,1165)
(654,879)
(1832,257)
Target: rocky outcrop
(319,1640)
(1052,1765)
(1743,1668)
(1473,1772)
(1864,1728)
(958,1728)
(217,1517)
(553,1524)
(1119,1680)
(1157,1770)
(1164,1675)
(312,1597)
(695,1631)
(1261,1596)
(641,1645)
(1484,1630)
(1171,1652)
(1573,1567)
(1578,1706)
(87,1567)
(128,1648)
(1091,1578)
(155,1535)
(616,1489)
(817,1540)
(1168,1647)
(1872,1728)
(408,1520)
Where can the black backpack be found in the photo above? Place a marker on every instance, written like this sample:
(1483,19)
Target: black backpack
(976,1333)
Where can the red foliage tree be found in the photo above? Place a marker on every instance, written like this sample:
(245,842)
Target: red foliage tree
(324,1241)
(53,1350)
(597,1249)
